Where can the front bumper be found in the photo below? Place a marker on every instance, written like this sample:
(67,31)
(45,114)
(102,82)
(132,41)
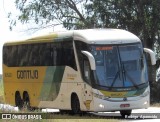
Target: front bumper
(101,105)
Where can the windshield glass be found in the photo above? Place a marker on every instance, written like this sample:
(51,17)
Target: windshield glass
(119,66)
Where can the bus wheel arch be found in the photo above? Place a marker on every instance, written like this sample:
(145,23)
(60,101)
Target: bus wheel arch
(75,104)
(18,100)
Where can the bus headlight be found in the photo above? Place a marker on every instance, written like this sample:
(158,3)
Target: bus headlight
(100,96)
(146,102)
(146,93)
(101,105)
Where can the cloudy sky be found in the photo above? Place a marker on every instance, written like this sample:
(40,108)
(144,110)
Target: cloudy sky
(19,32)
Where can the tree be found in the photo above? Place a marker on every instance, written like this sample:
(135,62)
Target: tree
(45,12)
(138,16)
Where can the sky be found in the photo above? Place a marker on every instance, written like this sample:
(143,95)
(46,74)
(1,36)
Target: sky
(19,32)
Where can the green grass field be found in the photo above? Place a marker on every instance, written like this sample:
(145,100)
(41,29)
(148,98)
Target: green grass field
(1,90)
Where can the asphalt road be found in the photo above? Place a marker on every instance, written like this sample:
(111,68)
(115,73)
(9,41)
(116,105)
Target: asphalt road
(147,115)
(140,115)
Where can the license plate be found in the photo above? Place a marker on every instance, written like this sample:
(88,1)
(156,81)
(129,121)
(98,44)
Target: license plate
(124,105)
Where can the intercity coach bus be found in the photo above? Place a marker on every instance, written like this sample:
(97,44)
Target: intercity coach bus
(92,70)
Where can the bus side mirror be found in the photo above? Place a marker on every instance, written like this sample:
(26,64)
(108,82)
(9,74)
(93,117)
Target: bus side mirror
(152,55)
(91,59)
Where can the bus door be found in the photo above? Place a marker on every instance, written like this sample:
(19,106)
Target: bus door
(87,89)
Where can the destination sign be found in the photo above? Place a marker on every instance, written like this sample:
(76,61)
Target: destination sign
(104,48)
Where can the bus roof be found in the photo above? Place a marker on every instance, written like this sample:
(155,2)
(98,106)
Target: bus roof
(105,36)
(91,36)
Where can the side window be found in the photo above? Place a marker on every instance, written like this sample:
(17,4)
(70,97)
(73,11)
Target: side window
(10,55)
(83,61)
(34,59)
(5,55)
(68,56)
(39,54)
(59,54)
(13,60)
(30,55)
(44,53)
(22,55)
(79,47)
(56,54)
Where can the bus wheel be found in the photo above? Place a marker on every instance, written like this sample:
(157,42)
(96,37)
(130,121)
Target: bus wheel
(18,101)
(27,102)
(75,105)
(125,113)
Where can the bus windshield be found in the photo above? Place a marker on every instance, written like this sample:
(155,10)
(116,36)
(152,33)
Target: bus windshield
(120,65)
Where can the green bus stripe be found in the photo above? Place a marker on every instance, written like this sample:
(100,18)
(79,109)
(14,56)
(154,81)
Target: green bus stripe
(52,83)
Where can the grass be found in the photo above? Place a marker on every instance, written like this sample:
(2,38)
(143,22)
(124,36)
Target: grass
(1,92)
(83,120)
(155,105)
(63,120)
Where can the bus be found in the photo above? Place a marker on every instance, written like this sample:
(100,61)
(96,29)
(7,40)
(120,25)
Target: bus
(90,70)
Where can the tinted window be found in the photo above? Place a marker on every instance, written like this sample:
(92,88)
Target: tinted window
(42,54)
(68,57)
(84,62)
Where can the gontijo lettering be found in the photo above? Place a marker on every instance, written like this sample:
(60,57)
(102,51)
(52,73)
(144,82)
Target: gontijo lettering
(27,74)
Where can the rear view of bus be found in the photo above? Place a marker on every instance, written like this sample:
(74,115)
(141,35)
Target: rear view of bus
(120,79)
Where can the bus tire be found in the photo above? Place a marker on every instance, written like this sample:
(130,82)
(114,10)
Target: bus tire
(125,113)
(75,105)
(18,100)
(27,102)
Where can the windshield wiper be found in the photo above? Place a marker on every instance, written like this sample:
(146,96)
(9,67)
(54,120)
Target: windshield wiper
(127,75)
(124,74)
(114,80)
